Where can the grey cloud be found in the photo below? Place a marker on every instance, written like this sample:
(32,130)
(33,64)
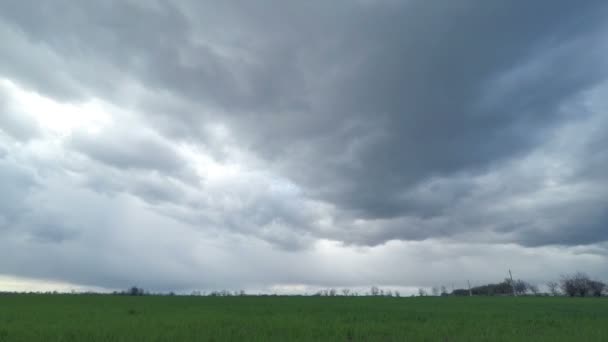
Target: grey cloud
(45,233)
(157,190)
(109,44)
(152,187)
(249,207)
(252,203)
(360,105)
(427,97)
(129,150)
(135,245)
(587,226)
(16,183)
(404,78)
(35,65)
(548,197)
(356,122)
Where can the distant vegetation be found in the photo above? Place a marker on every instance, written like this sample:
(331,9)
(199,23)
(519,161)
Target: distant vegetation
(577,284)
(573,285)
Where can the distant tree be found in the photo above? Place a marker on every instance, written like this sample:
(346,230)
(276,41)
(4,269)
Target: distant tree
(534,289)
(332,292)
(596,288)
(345,292)
(520,286)
(389,293)
(135,291)
(501,289)
(435,291)
(397,293)
(421,292)
(577,284)
(444,291)
(375,291)
(553,287)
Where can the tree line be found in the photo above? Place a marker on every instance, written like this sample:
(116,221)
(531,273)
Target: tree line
(576,284)
(573,285)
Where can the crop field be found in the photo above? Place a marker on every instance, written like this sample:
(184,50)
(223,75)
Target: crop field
(183,318)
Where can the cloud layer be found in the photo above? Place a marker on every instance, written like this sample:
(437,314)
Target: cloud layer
(203,145)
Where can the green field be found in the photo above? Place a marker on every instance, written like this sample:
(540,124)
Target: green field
(156,318)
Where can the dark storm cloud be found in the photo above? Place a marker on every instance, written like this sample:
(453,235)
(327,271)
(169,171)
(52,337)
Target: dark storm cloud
(391,113)
(419,91)
(416,78)
(407,90)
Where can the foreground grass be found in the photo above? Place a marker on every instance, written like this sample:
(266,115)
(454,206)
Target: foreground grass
(113,318)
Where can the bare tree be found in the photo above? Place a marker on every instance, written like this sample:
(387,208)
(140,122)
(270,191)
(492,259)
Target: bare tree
(444,291)
(577,284)
(553,288)
(345,292)
(534,289)
(596,288)
(435,291)
(397,293)
(421,292)
(520,286)
(375,291)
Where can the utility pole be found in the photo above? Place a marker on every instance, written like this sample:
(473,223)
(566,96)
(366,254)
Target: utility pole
(512,284)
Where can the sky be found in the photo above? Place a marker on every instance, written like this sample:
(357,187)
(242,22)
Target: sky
(288,146)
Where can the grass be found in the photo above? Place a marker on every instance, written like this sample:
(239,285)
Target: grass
(116,318)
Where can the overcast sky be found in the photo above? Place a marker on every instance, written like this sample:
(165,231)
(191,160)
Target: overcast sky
(292,145)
